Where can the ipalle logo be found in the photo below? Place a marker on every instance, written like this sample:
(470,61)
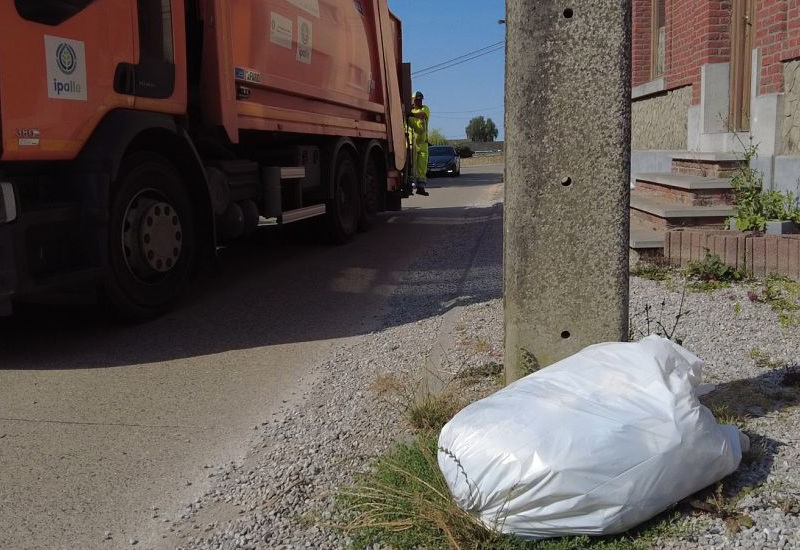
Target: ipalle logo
(66,58)
(67,61)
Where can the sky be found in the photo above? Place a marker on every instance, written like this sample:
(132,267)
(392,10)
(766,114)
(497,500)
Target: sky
(436,31)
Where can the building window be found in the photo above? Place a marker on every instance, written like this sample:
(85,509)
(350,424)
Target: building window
(657,40)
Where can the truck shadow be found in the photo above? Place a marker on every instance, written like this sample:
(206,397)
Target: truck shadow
(281,287)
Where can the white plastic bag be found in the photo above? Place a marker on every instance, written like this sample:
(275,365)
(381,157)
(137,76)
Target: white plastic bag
(594,444)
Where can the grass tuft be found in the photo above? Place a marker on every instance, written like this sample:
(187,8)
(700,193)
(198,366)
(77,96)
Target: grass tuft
(783,296)
(404,503)
(432,412)
(653,270)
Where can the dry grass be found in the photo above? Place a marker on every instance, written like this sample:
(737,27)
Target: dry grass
(432,412)
(387,384)
(405,503)
(421,409)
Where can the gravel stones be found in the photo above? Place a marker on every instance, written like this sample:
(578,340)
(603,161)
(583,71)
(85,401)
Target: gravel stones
(282,494)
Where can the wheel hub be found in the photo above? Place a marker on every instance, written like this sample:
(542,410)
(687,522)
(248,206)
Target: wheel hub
(152,237)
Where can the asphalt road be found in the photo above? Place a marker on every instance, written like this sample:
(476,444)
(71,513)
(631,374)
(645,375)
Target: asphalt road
(106,430)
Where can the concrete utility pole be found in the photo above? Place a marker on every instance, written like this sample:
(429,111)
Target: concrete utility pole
(567,178)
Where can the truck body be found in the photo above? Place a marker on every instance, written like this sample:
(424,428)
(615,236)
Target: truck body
(139,135)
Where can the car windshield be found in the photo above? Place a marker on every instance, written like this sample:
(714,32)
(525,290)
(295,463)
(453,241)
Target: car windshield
(442,151)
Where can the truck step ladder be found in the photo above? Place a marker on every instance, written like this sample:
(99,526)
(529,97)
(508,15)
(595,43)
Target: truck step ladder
(273,176)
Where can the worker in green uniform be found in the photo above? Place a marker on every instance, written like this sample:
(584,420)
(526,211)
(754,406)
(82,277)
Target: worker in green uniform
(418,123)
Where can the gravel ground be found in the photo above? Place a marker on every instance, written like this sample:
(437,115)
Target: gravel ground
(281,494)
(748,354)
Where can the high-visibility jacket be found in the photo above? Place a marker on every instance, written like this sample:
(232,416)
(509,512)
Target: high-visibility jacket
(419,126)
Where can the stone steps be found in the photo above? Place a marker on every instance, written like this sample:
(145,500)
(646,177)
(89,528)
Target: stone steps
(663,214)
(695,194)
(686,189)
(711,165)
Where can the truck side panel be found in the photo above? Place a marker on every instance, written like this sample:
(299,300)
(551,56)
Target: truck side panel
(305,66)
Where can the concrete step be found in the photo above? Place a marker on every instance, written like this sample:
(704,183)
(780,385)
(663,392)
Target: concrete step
(646,239)
(705,156)
(643,236)
(684,181)
(661,214)
(684,188)
(713,165)
(644,243)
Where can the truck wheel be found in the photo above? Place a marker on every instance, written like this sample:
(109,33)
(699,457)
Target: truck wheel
(344,210)
(150,238)
(371,198)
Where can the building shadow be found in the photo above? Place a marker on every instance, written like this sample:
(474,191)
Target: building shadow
(770,393)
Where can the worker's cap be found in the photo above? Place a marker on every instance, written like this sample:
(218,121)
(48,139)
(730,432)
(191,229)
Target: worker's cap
(418,95)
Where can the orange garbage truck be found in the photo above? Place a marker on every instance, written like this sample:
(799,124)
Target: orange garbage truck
(138,135)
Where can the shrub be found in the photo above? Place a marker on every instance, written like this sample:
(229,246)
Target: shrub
(464,151)
(754,206)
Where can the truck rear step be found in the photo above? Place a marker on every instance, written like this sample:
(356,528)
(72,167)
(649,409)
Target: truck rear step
(301,214)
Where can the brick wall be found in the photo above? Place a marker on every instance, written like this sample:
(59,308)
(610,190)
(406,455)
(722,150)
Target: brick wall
(757,255)
(696,33)
(791,45)
(683,46)
(778,37)
(641,42)
(771,20)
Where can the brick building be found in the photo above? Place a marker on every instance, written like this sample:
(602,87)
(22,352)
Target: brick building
(709,75)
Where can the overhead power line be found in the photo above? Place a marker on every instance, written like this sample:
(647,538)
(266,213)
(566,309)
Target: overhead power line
(459,57)
(459,62)
(497,46)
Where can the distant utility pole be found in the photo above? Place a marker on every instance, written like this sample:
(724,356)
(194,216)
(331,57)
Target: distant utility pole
(567,178)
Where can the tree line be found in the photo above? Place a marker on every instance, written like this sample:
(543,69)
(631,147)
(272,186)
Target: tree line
(479,129)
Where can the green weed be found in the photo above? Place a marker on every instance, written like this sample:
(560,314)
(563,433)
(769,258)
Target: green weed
(654,271)
(783,296)
(711,273)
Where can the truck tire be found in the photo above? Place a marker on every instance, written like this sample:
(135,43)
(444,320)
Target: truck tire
(343,211)
(151,239)
(371,198)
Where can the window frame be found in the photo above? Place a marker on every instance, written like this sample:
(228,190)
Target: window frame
(658,27)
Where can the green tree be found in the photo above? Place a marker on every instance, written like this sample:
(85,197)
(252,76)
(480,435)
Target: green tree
(480,129)
(436,137)
(491,130)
